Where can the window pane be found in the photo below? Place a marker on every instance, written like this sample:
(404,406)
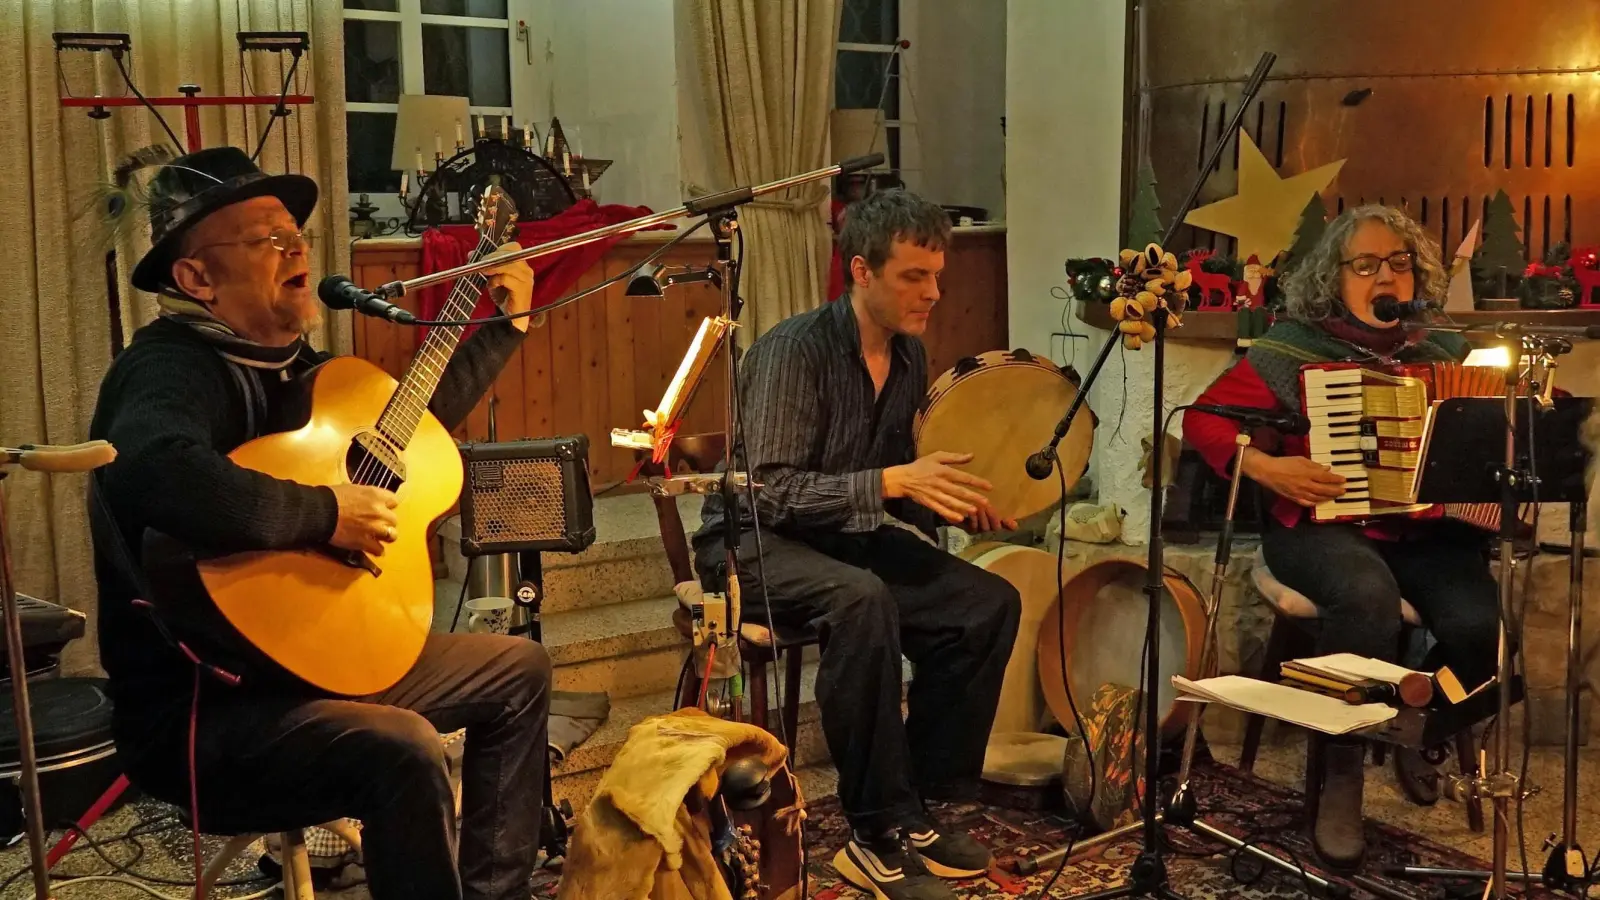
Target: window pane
(384,5)
(486,9)
(371,61)
(371,144)
(869,21)
(858,82)
(467,62)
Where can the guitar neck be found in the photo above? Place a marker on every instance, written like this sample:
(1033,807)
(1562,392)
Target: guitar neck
(405,410)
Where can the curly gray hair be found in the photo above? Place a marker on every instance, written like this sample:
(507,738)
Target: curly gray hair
(1311,290)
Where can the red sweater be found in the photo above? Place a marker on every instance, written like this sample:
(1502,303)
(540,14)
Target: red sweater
(1213,437)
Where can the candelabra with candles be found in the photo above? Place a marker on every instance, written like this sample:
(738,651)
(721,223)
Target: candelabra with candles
(543,177)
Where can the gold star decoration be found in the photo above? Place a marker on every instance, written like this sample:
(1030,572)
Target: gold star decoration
(1265,213)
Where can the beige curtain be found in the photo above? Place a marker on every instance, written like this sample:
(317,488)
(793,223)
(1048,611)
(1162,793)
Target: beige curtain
(56,329)
(766,73)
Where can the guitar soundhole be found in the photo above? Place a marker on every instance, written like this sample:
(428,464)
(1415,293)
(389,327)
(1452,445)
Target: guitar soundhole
(373,461)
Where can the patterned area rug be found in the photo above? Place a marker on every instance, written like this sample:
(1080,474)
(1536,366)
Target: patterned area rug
(1232,801)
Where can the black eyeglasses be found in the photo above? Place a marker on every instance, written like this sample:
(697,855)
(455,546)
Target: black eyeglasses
(283,240)
(1367,265)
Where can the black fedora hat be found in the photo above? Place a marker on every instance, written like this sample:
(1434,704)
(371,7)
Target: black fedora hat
(194,186)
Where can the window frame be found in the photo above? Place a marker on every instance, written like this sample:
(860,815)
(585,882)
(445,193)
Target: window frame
(411,19)
(910,168)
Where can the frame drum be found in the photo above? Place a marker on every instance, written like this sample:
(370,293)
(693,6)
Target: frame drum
(1103,632)
(1002,407)
(1033,573)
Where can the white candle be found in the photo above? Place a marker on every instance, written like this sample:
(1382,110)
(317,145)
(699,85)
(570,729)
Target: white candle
(405,181)
(505,128)
(438,146)
(566,163)
(550,143)
(420,170)
(458,134)
(585,176)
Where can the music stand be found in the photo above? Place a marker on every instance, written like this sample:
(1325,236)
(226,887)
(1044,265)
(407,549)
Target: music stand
(1473,457)
(1467,443)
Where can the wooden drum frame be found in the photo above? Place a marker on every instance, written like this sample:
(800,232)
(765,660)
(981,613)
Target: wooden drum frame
(1003,406)
(1081,595)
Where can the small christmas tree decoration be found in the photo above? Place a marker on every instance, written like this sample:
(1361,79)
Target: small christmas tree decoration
(1313,222)
(1144,218)
(1500,261)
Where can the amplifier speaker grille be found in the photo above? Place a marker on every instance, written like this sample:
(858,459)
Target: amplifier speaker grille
(527,495)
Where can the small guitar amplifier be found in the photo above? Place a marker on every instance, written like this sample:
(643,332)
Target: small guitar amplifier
(527,495)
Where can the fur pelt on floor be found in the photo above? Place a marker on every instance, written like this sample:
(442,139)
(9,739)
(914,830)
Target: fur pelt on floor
(646,833)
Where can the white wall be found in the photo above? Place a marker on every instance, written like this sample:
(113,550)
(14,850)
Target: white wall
(1064,82)
(956,76)
(608,69)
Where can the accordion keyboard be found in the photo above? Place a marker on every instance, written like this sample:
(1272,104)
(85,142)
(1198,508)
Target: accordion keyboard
(1333,404)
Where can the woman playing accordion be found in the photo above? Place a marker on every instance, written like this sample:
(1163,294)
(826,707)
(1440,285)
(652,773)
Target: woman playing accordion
(1356,572)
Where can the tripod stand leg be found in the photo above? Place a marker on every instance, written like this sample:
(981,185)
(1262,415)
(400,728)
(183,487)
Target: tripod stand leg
(1564,868)
(32,807)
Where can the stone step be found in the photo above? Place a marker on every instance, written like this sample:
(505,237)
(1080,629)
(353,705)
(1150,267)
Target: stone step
(626,562)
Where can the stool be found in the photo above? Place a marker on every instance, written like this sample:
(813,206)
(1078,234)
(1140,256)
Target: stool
(296,861)
(699,453)
(1290,639)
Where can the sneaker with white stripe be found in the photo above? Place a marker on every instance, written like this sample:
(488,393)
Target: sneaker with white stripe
(947,854)
(889,869)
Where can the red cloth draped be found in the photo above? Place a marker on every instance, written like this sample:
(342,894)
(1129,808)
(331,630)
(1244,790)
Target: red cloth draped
(447,246)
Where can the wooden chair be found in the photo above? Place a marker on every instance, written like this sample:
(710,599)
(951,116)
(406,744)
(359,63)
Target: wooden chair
(296,861)
(1291,638)
(759,647)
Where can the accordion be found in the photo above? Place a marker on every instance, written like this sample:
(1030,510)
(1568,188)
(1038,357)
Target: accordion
(1372,425)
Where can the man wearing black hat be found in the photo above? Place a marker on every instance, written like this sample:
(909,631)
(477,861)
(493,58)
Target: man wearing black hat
(215,369)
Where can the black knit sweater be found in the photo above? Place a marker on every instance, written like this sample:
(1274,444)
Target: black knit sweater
(173,411)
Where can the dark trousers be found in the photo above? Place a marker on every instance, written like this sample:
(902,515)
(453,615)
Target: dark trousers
(1357,582)
(274,760)
(872,597)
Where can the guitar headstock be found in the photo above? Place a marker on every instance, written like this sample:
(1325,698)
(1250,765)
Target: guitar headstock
(497,215)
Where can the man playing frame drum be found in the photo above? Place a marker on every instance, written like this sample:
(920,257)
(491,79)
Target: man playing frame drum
(828,399)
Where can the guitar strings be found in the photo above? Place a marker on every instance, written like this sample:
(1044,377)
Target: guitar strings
(371,471)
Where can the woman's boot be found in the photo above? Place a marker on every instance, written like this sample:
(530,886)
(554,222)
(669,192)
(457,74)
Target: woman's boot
(1338,834)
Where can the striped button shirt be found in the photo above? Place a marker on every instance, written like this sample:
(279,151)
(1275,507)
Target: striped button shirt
(814,435)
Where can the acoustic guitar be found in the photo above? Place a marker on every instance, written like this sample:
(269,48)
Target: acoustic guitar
(349,623)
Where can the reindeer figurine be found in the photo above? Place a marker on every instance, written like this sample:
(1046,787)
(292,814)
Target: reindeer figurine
(1583,263)
(1216,288)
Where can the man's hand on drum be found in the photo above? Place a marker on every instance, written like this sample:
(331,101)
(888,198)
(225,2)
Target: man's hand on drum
(935,481)
(985,519)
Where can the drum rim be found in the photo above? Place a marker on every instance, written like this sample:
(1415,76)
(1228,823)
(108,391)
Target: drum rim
(68,760)
(1049,649)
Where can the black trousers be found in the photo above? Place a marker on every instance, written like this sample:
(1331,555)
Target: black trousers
(271,760)
(1357,582)
(873,597)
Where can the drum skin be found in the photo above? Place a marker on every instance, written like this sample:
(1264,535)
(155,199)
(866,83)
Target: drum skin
(1102,634)
(1033,573)
(1002,407)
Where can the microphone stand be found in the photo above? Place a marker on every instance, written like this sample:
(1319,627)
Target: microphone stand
(1148,876)
(710,206)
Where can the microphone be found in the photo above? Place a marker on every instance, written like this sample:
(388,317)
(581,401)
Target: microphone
(1039,465)
(1390,309)
(339,292)
(858,163)
(1286,422)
